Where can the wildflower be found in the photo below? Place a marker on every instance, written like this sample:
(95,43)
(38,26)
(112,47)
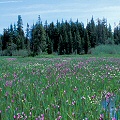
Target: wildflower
(42,117)
(0,114)
(83,98)
(18,115)
(30,113)
(15,75)
(58,113)
(113,118)
(73,114)
(101,117)
(73,103)
(64,92)
(93,97)
(75,89)
(59,117)
(14,116)
(0,89)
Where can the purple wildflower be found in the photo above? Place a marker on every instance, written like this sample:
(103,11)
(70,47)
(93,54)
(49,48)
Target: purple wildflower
(101,117)
(113,118)
(59,117)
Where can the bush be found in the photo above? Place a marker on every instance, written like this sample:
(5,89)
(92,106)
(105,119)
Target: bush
(23,53)
(106,49)
(1,53)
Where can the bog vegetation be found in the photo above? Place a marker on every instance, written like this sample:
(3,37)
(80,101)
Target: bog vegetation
(60,88)
(57,38)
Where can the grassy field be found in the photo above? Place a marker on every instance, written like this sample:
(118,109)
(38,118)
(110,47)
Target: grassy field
(59,88)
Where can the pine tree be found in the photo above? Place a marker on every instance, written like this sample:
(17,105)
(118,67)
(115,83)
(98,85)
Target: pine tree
(66,44)
(74,43)
(0,43)
(98,33)
(60,46)
(104,31)
(15,34)
(116,35)
(51,31)
(20,37)
(5,39)
(78,40)
(11,34)
(70,42)
(86,42)
(49,45)
(27,39)
(92,32)
(109,31)
(38,39)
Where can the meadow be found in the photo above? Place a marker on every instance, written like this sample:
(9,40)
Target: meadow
(59,88)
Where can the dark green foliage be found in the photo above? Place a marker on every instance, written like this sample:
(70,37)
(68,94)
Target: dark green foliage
(0,43)
(20,34)
(49,45)
(91,32)
(60,46)
(86,42)
(38,38)
(60,38)
(117,34)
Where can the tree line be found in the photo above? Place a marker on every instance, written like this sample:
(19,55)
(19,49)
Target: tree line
(60,37)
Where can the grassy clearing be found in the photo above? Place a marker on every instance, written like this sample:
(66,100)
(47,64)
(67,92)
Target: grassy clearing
(66,88)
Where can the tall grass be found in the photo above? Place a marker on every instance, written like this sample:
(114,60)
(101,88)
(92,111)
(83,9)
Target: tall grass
(58,88)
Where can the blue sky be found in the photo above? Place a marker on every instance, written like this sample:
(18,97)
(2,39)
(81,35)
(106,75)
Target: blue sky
(51,10)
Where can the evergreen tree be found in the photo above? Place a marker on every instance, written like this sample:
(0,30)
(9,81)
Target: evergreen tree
(60,46)
(49,45)
(51,34)
(56,39)
(5,39)
(27,39)
(78,40)
(39,39)
(99,33)
(0,42)
(117,34)
(64,38)
(86,42)
(92,33)
(20,37)
(11,34)
(65,43)
(109,32)
(104,31)
(70,42)
(46,27)
(15,34)
(74,43)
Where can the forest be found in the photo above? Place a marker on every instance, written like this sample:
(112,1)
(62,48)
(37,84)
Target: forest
(65,37)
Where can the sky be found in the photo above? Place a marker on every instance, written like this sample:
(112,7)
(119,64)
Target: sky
(53,10)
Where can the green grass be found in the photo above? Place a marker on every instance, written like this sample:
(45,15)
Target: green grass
(68,86)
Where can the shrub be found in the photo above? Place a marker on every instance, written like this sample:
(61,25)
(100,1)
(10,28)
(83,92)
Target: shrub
(106,49)
(23,53)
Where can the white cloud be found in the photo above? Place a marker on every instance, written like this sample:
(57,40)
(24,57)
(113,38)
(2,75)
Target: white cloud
(37,12)
(13,1)
(105,9)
